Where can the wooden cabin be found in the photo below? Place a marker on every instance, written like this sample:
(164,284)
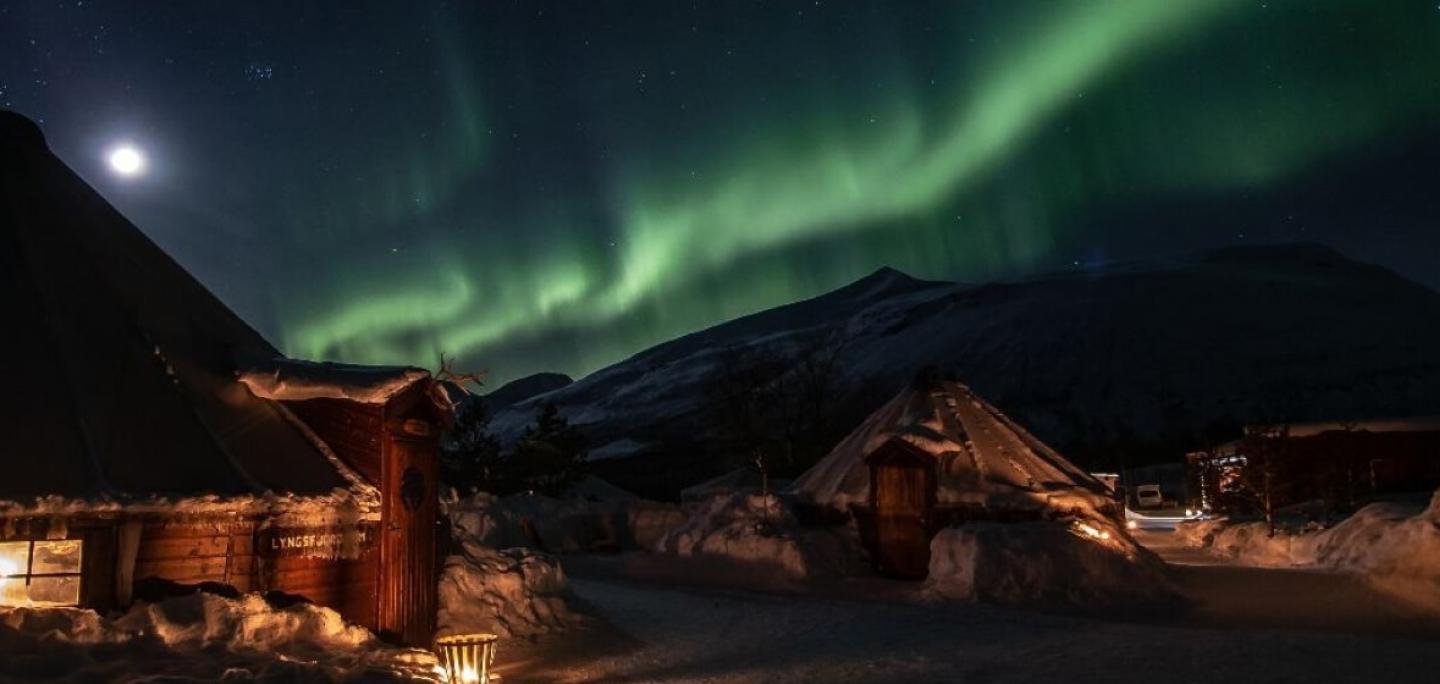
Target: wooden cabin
(938,455)
(1341,464)
(155,442)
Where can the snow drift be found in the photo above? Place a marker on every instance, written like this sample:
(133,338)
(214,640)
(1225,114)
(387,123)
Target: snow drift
(1081,563)
(561,525)
(758,532)
(513,592)
(201,637)
(1392,547)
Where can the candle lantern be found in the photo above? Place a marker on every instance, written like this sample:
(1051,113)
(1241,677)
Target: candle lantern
(467,657)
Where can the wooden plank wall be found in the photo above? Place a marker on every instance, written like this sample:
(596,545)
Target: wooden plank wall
(195,552)
(353,430)
(224,552)
(347,585)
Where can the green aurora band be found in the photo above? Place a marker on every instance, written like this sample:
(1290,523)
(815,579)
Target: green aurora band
(962,158)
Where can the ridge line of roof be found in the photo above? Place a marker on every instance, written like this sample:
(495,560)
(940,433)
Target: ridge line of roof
(323,447)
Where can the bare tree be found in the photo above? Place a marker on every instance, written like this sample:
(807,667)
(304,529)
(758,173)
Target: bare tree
(774,403)
(1267,470)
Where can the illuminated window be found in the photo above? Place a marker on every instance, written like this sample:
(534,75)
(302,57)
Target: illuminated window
(40,573)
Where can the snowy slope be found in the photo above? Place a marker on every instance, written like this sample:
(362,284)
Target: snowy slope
(1155,352)
(521,389)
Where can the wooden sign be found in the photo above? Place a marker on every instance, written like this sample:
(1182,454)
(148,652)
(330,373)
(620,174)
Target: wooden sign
(341,541)
(418,428)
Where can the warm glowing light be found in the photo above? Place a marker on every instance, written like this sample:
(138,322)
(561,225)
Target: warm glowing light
(126,160)
(467,657)
(1091,531)
(12,590)
(1132,525)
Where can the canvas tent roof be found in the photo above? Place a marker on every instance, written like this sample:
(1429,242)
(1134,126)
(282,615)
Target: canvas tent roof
(121,366)
(982,457)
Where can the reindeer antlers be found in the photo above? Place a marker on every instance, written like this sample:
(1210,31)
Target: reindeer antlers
(447,373)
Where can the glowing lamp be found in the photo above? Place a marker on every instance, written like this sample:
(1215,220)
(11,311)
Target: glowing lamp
(467,657)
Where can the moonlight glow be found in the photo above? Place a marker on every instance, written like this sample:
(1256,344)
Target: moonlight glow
(127,161)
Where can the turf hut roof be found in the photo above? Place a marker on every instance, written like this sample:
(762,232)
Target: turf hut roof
(121,367)
(981,457)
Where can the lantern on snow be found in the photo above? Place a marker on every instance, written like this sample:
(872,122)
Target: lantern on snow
(467,657)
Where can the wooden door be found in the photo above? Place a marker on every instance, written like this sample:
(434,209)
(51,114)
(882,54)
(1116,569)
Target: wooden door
(407,542)
(902,495)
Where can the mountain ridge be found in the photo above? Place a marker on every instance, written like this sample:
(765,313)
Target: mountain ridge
(1168,353)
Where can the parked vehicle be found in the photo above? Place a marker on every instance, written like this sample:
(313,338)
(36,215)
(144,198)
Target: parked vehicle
(1148,496)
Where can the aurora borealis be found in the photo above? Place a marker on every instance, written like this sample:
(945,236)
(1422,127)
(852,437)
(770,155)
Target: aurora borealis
(556,185)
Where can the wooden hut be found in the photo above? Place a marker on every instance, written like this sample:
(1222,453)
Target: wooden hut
(154,441)
(937,455)
(1340,464)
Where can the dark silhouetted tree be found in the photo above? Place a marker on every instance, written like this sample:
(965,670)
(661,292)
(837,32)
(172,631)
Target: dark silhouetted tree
(774,404)
(470,458)
(549,458)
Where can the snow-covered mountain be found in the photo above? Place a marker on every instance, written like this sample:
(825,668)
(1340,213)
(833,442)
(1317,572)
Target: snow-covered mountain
(520,389)
(1151,356)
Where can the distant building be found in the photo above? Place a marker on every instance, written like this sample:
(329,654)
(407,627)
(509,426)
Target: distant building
(1337,463)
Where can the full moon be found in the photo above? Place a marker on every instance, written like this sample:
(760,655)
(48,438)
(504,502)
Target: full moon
(127,161)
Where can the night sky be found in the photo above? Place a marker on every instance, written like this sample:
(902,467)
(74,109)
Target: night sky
(554,186)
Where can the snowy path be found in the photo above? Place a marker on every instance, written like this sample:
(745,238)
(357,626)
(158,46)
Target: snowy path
(675,634)
(1229,595)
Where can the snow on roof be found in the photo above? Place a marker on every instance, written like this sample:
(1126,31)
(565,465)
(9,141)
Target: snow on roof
(339,505)
(1414,424)
(292,380)
(982,457)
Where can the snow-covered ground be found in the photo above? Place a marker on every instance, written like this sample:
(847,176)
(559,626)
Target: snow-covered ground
(200,638)
(758,534)
(693,635)
(1394,548)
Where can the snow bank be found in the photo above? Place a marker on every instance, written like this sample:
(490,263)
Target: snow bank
(1392,547)
(1199,533)
(514,592)
(759,532)
(1082,563)
(647,522)
(201,637)
(561,525)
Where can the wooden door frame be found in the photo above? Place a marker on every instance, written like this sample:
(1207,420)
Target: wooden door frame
(897,452)
(412,404)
